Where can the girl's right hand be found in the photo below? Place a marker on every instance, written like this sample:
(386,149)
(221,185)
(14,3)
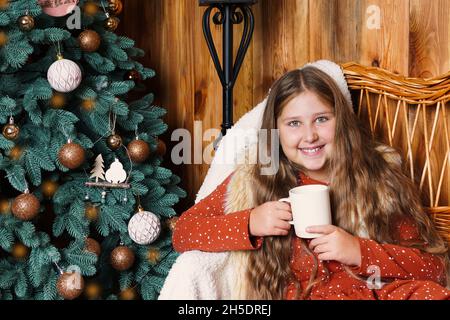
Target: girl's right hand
(270,219)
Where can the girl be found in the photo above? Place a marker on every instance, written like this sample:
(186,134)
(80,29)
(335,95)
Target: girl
(379,225)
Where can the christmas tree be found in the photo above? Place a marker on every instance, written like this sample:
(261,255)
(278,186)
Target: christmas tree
(65,108)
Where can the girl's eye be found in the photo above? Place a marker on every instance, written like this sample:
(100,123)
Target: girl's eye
(294,123)
(321,119)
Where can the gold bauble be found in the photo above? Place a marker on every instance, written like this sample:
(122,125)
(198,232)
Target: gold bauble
(25,207)
(5,206)
(114,141)
(26,22)
(20,251)
(172,222)
(88,104)
(161,148)
(15,153)
(91,212)
(93,291)
(71,155)
(111,23)
(128,294)
(115,7)
(3,38)
(89,40)
(122,258)
(90,8)
(138,150)
(70,285)
(11,131)
(49,188)
(93,246)
(58,100)
(4,4)
(133,75)
(153,255)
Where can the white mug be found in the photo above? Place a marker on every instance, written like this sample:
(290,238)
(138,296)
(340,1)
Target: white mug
(310,205)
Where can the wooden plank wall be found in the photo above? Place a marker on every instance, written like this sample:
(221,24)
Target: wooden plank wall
(412,39)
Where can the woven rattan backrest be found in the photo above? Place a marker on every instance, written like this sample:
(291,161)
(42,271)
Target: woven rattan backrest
(413,116)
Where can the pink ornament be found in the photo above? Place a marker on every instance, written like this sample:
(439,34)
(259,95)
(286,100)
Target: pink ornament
(58,8)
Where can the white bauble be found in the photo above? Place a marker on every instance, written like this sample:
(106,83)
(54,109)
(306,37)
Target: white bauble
(144,227)
(64,75)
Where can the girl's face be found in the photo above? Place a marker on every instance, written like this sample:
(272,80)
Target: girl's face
(307,127)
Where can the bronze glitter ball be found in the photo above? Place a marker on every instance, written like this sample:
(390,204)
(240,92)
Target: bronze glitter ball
(114,141)
(11,131)
(93,246)
(89,40)
(71,155)
(25,207)
(139,150)
(122,258)
(26,22)
(70,285)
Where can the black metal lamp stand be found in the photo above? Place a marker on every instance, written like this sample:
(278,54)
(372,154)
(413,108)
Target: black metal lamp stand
(229,12)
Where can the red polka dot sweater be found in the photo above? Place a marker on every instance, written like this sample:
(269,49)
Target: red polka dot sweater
(404,272)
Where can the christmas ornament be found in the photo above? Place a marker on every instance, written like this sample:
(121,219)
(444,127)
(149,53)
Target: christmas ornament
(122,258)
(64,75)
(97,171)
(115,173)
(11,130)
(88,104)
(115,7)
(26,206)
(89,40)
(70,285)
(161,148)
(49,188)
(58,100)
(16,152)
(3,38)
(90,8)
(144,227)
(57,8)
(111,23)
(133,75)
(171,223)
(93,246)
(4,4)
(93,291)
(128,294)
(114,141)
(26,22)
(20,251)
(138,150)
(5,206)
(71,155)
(91,212)
(153,255)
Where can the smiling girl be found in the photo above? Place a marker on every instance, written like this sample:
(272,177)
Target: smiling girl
(378,221)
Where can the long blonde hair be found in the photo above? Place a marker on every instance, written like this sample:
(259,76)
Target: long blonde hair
(364,188)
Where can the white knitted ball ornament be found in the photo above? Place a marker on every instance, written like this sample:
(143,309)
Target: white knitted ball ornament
(144,227)
(64,75)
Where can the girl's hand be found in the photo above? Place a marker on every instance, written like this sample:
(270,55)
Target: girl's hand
(270,219)
(335,244)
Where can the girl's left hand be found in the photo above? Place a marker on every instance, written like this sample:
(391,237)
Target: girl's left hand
(335,244)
